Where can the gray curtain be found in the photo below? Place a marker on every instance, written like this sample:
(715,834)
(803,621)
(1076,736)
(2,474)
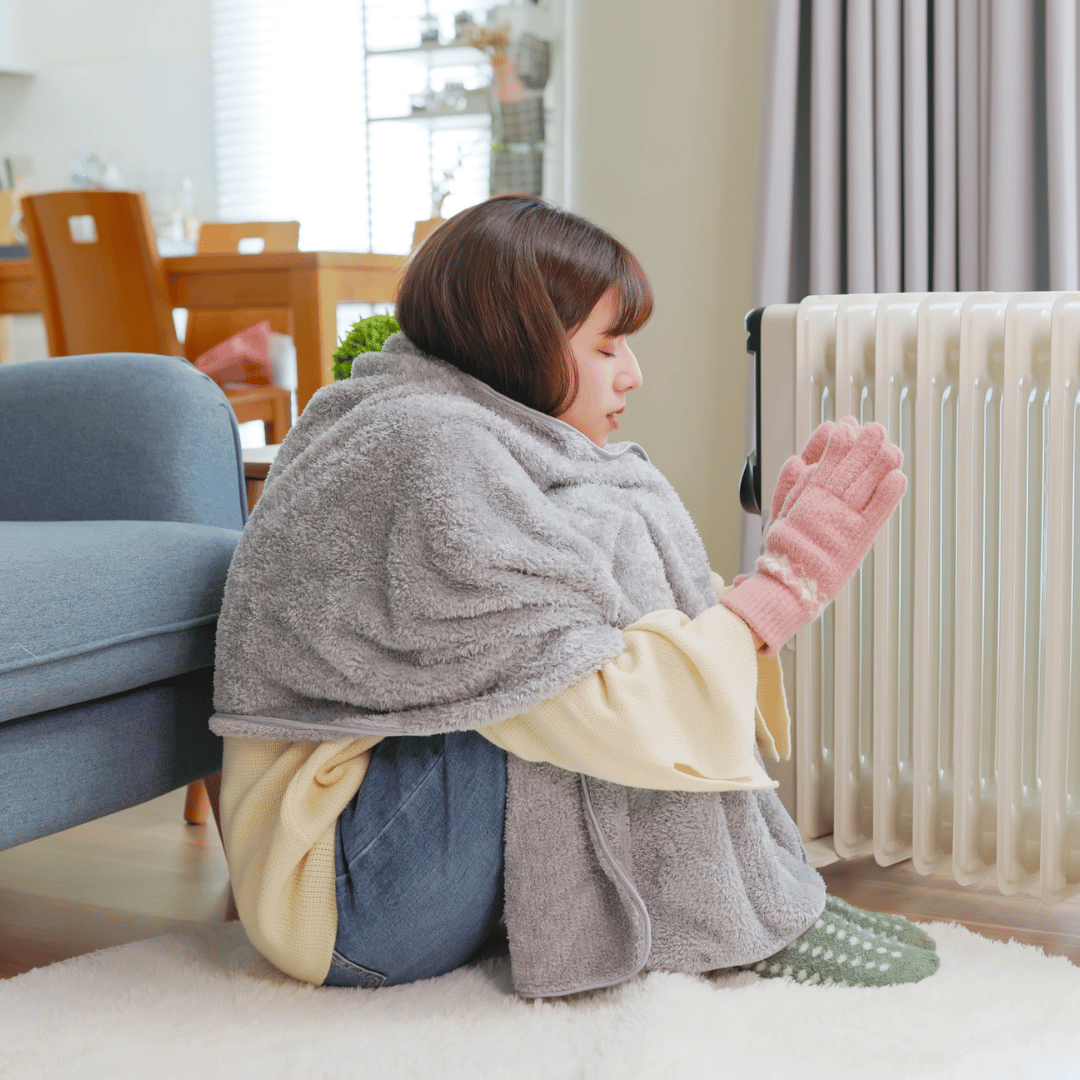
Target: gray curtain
(917,145)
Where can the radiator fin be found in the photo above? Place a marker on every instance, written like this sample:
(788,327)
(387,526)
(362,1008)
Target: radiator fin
(895,352)
(978,517)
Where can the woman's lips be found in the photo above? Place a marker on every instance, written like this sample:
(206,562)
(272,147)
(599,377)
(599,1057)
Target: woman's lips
(614,418)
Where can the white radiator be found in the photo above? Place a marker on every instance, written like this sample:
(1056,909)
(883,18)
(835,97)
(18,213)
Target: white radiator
(937,702)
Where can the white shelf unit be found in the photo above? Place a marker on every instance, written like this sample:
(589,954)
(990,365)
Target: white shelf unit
(447,119)
(452,54)
(457,140)
(451,135)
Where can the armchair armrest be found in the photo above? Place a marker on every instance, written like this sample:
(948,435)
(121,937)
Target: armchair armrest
(118,436)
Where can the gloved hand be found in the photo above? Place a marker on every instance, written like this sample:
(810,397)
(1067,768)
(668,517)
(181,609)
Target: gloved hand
(828,506)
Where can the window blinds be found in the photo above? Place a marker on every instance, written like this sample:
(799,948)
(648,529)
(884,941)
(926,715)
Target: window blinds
(313,116)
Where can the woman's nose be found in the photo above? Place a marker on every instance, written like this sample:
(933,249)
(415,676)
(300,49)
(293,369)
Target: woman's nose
(630,377)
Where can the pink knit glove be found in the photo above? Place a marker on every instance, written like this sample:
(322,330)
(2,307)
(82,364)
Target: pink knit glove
(828,506)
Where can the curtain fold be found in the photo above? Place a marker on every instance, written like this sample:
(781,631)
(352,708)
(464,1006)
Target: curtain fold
(1010,234)
(826,113)
(777,152)
(859,68)
(1062,89)
(944,102)
(916,162)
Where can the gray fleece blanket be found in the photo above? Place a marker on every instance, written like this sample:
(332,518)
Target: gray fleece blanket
(429,555)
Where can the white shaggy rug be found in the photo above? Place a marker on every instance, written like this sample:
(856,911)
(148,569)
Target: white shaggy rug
(205,1005)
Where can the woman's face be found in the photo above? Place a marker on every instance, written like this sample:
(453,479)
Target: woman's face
(606,369)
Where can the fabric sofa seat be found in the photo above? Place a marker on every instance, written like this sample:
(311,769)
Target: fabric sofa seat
(90,608)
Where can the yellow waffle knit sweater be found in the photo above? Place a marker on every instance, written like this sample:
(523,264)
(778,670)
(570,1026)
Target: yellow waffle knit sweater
(678,710)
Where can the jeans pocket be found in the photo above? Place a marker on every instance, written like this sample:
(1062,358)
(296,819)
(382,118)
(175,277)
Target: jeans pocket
(343,972)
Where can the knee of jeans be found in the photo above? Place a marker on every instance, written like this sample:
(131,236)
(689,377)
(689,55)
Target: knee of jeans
(343,972)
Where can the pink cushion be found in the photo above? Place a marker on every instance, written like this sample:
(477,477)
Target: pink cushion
(244,357)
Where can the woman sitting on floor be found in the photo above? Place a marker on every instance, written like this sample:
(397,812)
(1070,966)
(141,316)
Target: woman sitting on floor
(472,660)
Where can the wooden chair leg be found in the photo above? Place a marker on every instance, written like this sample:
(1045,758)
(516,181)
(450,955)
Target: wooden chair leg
(7,353)
(212,786)
(282,417)
(197,804)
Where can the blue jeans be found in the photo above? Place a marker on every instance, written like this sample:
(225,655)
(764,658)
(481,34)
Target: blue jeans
(419,860)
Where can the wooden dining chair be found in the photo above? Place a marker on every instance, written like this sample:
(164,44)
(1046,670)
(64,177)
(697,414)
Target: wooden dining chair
(104,288)
(221,236)
(206,328)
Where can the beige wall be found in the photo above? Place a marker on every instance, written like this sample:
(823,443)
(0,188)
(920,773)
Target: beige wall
(129,80)
(663,139)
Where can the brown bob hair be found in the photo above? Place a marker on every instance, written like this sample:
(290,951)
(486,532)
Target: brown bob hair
(497,290)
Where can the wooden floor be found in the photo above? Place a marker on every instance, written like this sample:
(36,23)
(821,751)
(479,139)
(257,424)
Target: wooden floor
(144,872)
(902,890)
(126,877)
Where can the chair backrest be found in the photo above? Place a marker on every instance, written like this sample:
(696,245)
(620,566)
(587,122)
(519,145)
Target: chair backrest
(206,328)
(223,236)
(103,281)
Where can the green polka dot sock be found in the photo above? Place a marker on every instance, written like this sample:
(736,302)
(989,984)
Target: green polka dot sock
(836,952)
(895,927)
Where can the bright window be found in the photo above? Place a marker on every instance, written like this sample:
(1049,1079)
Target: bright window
(292,98)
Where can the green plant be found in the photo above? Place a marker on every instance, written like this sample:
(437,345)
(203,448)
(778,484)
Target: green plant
(367,335)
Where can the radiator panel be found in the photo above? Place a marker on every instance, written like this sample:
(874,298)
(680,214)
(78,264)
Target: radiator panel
(895,352)
(815,705)
(1060,836)
(1021,657)
(978,526)
(934,578)
(853,671)
(937,702)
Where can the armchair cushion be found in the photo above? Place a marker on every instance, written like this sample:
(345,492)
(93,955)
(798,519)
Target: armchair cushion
(90,608)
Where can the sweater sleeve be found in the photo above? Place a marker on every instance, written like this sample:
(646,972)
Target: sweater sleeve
(280,803)
(680,709)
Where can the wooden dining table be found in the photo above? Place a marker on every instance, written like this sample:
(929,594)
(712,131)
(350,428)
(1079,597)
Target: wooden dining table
(310,283)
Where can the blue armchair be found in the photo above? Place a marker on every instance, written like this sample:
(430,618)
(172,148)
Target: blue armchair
(121,503)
